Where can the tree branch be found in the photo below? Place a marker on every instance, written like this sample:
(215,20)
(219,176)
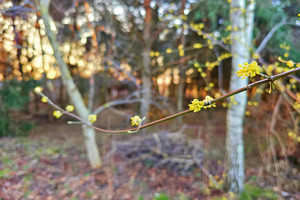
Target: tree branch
(269,35)
(248,87)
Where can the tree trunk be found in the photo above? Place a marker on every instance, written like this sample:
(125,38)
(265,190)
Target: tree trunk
(241,37)
(146,74)
(181,69)
(73,92)
(91,146)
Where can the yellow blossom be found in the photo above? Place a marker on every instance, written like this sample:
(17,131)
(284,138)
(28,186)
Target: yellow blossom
(44,99)
(92,118)
(249,69)
(290,63)
(196,64)
(296,105)
(69,108)
(38,89)
(181,52)
(224,104)
(196,105)
(168,50)
(57,114)
(197,45)
(228,28)
(247,113)
(208,103)
(152,53)
(255,56)
(218,94)
(156,53)
(136,120)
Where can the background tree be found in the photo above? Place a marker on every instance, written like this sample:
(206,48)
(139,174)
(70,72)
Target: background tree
(73,92)
(242,19)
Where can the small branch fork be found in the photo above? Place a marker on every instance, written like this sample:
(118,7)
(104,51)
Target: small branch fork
(132,130)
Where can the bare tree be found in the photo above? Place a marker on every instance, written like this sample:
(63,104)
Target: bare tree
(73,92)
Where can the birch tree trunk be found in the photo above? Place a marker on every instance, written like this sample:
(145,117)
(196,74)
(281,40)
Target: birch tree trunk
(241,36)
(146,73)
(73,92)
(181,70)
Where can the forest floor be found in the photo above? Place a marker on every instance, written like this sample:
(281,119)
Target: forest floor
(51,163)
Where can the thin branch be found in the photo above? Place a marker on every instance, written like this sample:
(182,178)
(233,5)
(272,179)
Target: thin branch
(269,35)
(248,87)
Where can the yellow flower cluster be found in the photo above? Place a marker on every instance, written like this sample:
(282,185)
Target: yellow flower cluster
(255,56)
(169,50)
(247,70)
(209,86)
(294,136)
(197,27)
(220,181)
(226,40)
(223,56)
(296,105)
(211,65)
(197,46)
(196,65)
(252,103)
(57,114)
(290,63)
(136,120)
(197,105)
(44,99)
(38,89)
(92,118)
(180,50)
(69,108)
(286,48)
(154,54)
(278,67)
(207,102)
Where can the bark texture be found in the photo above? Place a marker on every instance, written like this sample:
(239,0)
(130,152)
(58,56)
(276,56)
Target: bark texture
(181,70)
(73,92)
(146,73)
(241,36)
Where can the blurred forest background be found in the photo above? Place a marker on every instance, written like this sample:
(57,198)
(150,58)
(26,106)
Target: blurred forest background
(120,58)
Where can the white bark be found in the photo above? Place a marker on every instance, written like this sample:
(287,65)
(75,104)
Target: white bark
(146,85)
(146,73)
(240,49)
(91,146)
(73,92)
